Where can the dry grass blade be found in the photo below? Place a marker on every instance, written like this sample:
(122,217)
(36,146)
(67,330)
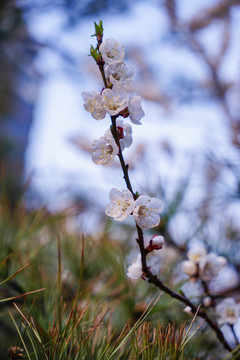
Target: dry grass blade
(92,330)
(3,262)
(20,335)
(186,338)
(29,324)
(22,295)
(12,276)
(136,325)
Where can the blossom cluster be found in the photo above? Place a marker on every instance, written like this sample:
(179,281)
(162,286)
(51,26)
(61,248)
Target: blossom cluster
(145,210)
(206,266)
(105,149)
(116,99)
(227,310)
(203,265)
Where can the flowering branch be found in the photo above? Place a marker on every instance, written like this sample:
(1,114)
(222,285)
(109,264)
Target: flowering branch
(116,101)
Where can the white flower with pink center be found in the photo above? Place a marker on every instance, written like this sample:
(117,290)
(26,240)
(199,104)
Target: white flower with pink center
(104,150)
(121,204)
(119,74)
(228,311)
(146,212)
(94,104)
(112,51)
(114,101)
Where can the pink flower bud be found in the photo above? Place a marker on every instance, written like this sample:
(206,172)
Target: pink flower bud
(157,242)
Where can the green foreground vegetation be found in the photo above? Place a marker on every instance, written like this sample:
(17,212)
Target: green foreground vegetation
(66,296)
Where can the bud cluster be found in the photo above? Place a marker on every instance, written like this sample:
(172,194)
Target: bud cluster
(202,265)
(116,99)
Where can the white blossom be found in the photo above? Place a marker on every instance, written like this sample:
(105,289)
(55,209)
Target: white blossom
(189,267)
(94,104)
(146,212)
(196,254)
(228,311)
(119,74)
(134,271)
(210,265)
(135,109)
(104,150)
(124,133)
(114,101)
(112,51)
(121,204)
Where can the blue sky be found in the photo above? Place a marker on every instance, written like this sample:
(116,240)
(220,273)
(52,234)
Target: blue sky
(55,165)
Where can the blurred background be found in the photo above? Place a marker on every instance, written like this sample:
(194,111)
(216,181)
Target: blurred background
(187,70)
(186,59)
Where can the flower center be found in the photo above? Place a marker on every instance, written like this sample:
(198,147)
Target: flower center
(108,150)
(116,76)
(112,105)
(230,313)
(142,210)
(123,205)
(113,52)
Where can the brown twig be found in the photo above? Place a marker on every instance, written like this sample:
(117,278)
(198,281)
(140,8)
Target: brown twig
(121,159)
(153,279)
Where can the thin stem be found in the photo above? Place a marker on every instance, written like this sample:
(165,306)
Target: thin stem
(206,289)
(120,155)
(101,68)
(115,135)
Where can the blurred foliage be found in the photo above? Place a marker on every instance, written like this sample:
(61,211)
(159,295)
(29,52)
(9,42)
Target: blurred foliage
(82,278)
(17,92)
